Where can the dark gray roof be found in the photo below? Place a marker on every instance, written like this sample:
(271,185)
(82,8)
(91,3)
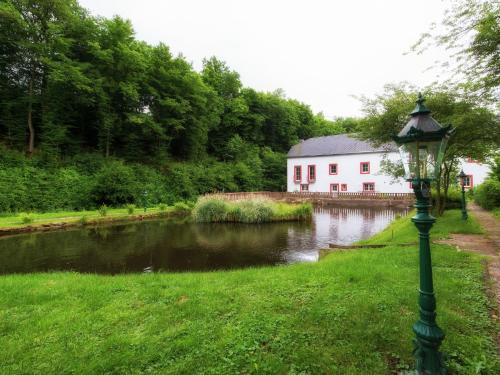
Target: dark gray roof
(340,144)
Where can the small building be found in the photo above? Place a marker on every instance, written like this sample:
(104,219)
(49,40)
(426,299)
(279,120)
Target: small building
(342,163)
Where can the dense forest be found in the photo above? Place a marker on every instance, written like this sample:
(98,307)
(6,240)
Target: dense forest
(91,115)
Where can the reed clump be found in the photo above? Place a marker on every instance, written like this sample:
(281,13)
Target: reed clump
(252,211)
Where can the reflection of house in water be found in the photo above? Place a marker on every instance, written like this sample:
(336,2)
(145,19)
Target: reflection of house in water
(344,225)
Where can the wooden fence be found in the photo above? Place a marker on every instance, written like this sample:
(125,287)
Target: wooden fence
(317,196)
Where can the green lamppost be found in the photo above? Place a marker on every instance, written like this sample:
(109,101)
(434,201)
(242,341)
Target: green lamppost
(422,144)
(462,176)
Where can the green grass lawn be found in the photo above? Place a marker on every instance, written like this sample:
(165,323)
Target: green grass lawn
(403,230)
(15,220)
(348,314)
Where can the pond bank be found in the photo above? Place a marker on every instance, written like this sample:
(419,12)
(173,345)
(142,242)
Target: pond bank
(49,221)
(350,313)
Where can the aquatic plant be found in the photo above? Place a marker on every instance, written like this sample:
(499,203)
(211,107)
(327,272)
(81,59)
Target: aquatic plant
(211,210)
(249,211)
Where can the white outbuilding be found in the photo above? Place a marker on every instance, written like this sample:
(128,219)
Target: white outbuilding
(342,163)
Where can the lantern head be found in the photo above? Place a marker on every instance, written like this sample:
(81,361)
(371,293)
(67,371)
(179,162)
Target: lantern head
(422,143)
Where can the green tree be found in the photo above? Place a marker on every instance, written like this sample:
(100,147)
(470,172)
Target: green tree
(477,132)
(471,32)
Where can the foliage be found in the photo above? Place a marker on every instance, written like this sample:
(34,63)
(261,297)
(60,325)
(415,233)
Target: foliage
(103,210)
(27,218)
(251,211)
(487,195)
(387,113)
(470,31)
(211,210)
(130,208)
(255,211)
(181,207)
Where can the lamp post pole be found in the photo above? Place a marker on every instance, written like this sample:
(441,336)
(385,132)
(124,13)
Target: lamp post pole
(464,204)
(462,176)
(429,336)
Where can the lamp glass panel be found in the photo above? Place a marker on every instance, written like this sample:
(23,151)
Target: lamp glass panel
(422,159)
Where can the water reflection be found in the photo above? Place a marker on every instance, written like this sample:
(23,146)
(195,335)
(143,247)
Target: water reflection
(166,245)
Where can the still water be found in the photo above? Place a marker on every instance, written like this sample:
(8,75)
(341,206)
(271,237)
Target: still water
(168,245)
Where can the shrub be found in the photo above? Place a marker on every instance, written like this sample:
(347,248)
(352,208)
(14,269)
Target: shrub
(130,209)
(115,184)
(27,218)
(83,220)
(487,195)
(103,210)
(182,208)
(211,210)
(162,207)
(251,211)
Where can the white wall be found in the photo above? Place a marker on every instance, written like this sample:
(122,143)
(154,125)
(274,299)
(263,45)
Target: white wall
(348,173)
(479,172)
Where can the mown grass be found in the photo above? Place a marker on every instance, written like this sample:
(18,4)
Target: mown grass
(253,211)
(348,314)
(58,217)
(402,230)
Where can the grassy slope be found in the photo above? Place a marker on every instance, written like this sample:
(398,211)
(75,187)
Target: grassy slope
(403,231)
(349,314)
(15,221)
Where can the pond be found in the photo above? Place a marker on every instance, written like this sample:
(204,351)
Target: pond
(175,246)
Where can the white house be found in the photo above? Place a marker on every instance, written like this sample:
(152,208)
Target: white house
(341,163)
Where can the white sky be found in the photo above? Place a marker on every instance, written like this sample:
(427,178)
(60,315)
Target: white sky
(320,52)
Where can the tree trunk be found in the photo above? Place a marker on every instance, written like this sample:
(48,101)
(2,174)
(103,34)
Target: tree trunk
(108,135)
(31,129)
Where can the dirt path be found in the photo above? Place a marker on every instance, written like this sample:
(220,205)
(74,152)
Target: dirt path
(486,244)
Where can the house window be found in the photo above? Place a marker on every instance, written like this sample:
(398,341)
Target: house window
(368,186)
(334,188)
(304,187)
(364,167)
(311,173)
(468,181)
(333,169)
(297,173)
(343,187)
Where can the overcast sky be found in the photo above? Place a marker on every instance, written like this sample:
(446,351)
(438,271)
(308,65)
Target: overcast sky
(321,52)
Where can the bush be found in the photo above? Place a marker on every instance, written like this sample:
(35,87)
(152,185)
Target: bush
(115,184)
(27,218)
(211,210)
(487,195)
(182,208)
(130,209)
(103,210)
(251,211)
(83,220)
(162,207)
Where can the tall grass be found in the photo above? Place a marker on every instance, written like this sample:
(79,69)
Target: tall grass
(216,210)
